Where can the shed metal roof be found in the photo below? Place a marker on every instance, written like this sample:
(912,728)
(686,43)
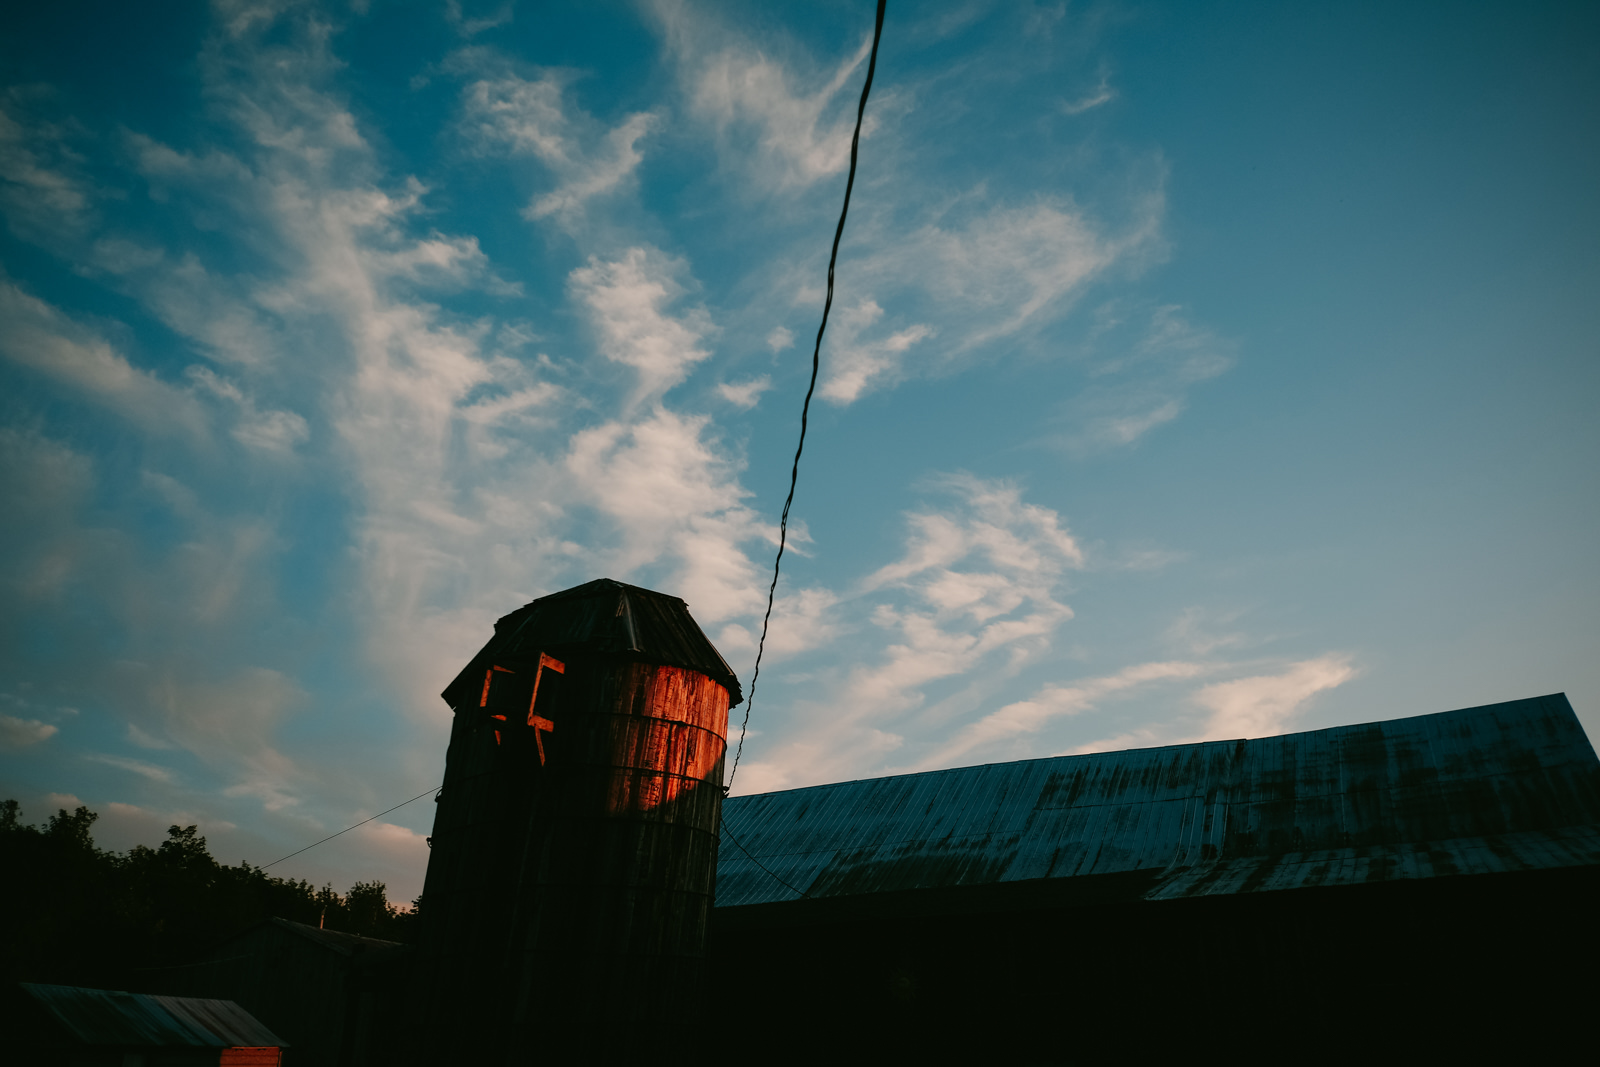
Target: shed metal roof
(600,616)
(108,1017)
(1513,786)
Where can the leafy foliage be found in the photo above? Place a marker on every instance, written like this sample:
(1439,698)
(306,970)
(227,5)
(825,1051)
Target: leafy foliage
(81,915)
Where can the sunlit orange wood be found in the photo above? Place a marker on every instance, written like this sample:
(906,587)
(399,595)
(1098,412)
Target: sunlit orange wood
(540,727)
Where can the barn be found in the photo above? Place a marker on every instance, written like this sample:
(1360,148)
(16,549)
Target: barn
(1425,884)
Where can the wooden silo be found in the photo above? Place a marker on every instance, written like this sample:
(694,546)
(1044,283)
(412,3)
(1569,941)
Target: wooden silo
(575,842)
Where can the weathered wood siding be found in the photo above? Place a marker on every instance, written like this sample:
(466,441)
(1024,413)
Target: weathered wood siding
(574,848)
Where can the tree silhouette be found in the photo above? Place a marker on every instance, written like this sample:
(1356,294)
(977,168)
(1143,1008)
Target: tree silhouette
(80,915)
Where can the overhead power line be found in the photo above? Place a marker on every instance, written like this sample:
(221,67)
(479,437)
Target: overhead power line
(805,409)
(752,857)
(347,829)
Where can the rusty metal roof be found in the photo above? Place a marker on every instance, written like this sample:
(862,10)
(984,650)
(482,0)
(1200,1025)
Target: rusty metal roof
(600,616)
(108,1017)
(1504,787)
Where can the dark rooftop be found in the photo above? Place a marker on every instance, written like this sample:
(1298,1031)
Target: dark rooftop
(108,1017)
(334,940)
(1505,787)
(600,616)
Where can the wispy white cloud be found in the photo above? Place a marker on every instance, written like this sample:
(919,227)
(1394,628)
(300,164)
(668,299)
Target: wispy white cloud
(981,578)
(469,27)
(788,123)
(386,845)
(856,366)
(222,316)
(522,116)
(1254,706)
(146,740)
(151,771)
(1142,558)
(938,23)
(1024,539)
(1101,94)
(241,17)
(671,495)
(973,590)
(177,606)
(801,621)
(992,272)
(42,194)
(278,432)
(1054,702)
(628,301)
(1011,265)
(43,338)
(231,723)
(20,733)
(1200,632)
(515,395)
(45,484)
(406,397)
(1267,704)
(272,431)
(1143,383)
(747,394)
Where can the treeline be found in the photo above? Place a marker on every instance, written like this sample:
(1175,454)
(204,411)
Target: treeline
(75,914)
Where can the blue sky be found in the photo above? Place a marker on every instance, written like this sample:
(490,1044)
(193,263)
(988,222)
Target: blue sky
(1196,371)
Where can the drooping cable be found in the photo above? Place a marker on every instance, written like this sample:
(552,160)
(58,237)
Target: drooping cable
(805,409)
(435,790)
(723,827)
(347,829)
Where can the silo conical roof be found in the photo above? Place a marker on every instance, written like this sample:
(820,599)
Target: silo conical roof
(603,616)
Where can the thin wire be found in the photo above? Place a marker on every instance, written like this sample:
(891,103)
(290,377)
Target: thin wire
(758,863)
(805,409)
(381,814)
(347,829)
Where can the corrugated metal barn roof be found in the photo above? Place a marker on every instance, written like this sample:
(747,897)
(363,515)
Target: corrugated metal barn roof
(600,616)
(1504,787)
(107,1017)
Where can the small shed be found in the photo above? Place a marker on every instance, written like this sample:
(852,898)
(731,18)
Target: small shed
(324,989)
(69,1025)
